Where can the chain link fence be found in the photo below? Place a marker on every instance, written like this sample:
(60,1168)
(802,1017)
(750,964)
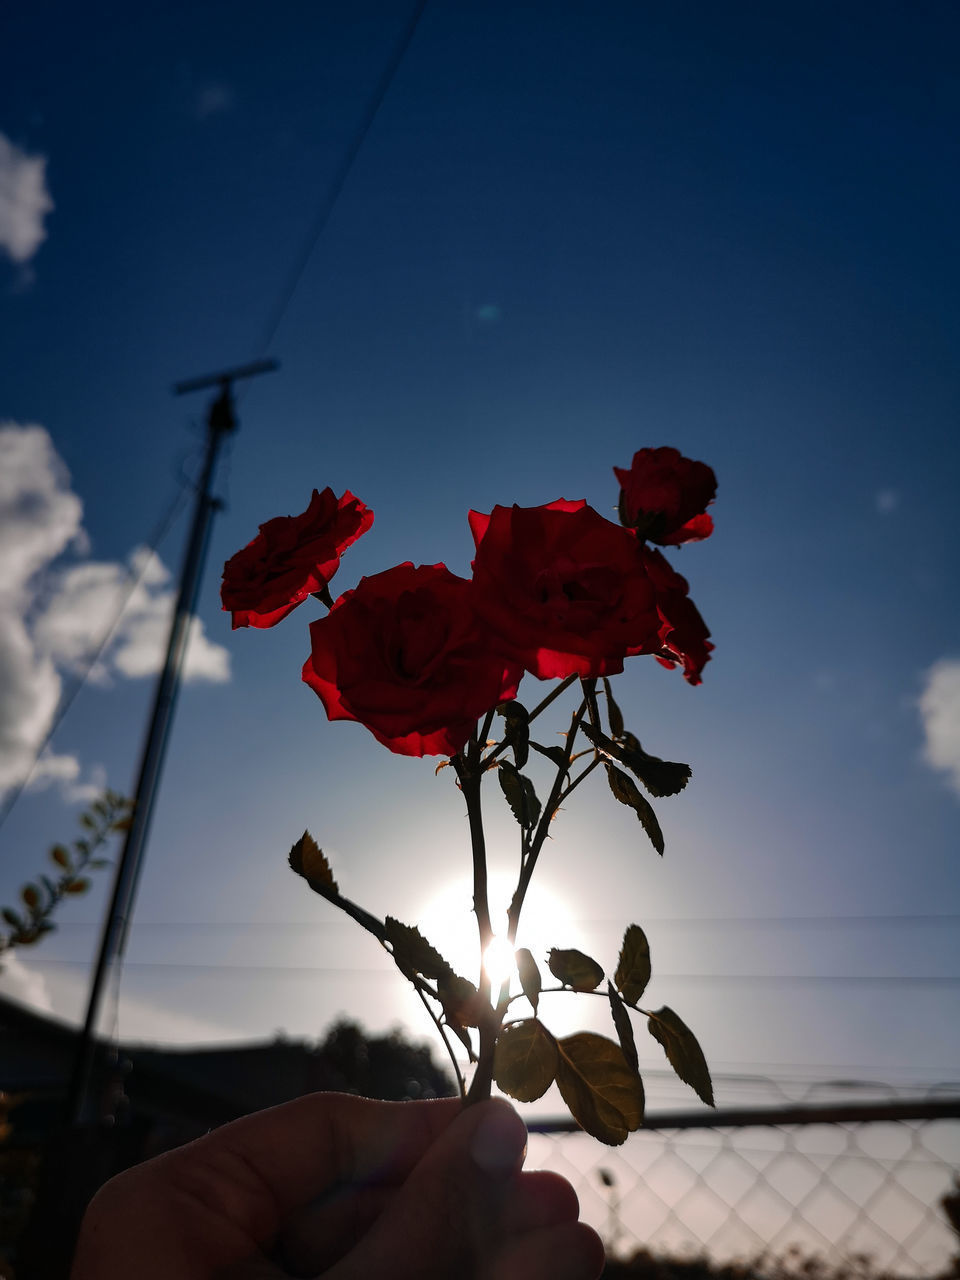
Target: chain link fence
(841,1183)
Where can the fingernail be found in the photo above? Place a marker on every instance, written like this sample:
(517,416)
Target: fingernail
(500,1141)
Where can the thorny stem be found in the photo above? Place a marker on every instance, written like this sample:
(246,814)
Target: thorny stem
(580,777)
(541,706)
(543,827)
(470,775)
(485,731)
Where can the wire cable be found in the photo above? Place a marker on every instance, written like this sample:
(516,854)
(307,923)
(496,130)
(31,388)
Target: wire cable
(329,201)
(744,979)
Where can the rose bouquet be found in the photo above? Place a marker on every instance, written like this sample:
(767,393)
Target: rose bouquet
(431,662)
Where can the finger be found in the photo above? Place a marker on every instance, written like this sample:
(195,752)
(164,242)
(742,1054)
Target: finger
(316,1237)
(537,1200)
(320,1235)
(570,1251)
(216,1201)
(447,1218)
(298,1150)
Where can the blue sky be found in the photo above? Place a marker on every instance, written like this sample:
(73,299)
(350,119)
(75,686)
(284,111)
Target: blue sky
(568,235)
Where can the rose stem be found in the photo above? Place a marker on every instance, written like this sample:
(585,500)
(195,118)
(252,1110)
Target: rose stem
(541,706)
(470,776)
(543,827)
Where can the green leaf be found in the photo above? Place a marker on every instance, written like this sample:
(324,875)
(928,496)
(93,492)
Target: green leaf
(683,1052)
(556,754)
(529,972)
(520,794)
(614,714)
(517,733)
(574,969)
(461,1001)
(660,777)
(412,952)
(11,917)
(633,966)
(628,793)
(525,1060)
(604,1094)
(306,858)
(624,1028)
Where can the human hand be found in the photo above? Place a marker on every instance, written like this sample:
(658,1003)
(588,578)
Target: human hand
(345,1188)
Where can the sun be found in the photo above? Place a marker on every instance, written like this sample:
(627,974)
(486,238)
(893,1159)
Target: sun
(449,923)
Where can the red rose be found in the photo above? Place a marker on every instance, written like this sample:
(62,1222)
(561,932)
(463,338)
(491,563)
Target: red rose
(664,496)
(405,655)
(564,590)
(683,633)
(290,558)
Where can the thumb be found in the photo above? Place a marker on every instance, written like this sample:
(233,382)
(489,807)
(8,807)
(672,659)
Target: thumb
(447,1218)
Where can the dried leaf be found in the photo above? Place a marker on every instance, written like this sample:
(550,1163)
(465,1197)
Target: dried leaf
(529,972)
(633,966)
(604,1094)
(30,896)
(525,1060)
(574,969)
(307,859)
(624,1028)
(683,1052)
(80,885)
(61,857)
(412,952)
(628,793)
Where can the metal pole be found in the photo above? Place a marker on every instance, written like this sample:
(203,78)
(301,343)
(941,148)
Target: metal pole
(220,421)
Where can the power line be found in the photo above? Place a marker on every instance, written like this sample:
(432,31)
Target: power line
(746,979)
(733,922)
(339,180)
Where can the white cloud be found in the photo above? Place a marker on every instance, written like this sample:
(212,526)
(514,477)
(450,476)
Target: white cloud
(84,603)
(940,712)
(40,518)
(24,201)
(39,514)
(886,501)
(23,984)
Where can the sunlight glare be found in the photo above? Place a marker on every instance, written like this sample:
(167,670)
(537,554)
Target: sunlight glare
(499,961)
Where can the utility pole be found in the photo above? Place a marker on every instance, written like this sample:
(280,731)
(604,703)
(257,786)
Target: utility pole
(221,422)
